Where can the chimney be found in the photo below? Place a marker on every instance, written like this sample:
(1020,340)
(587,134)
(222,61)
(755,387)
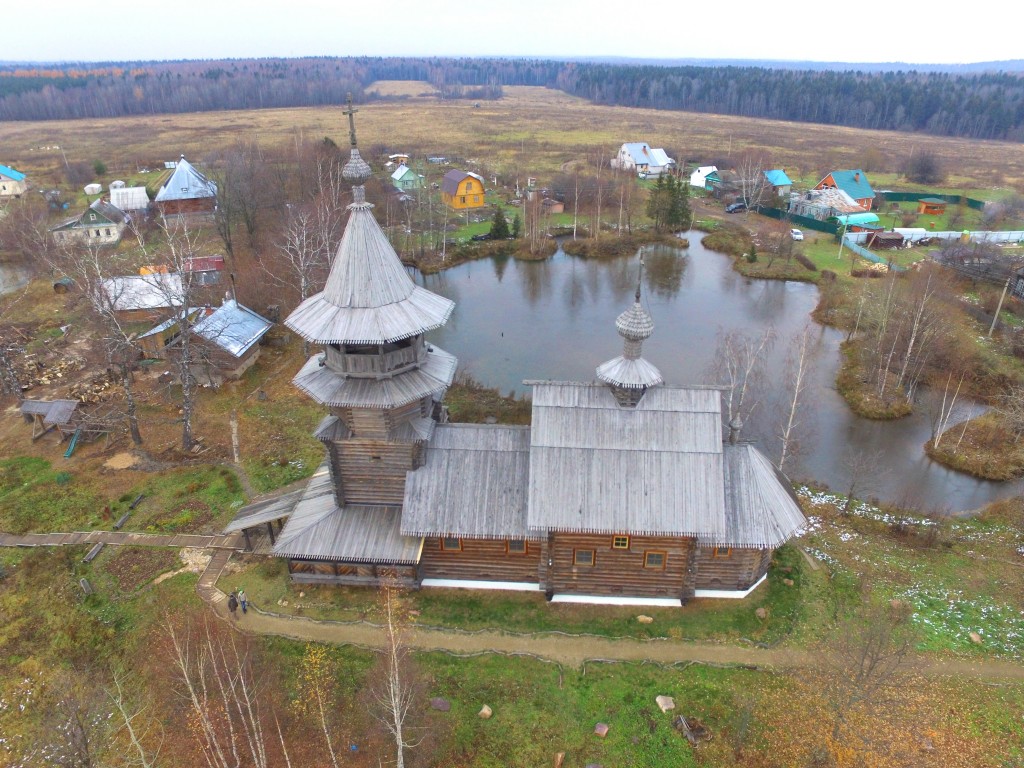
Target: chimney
(734,430)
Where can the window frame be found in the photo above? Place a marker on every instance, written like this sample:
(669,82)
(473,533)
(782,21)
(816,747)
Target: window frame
(525,550)
(576,555)
(657,553)
(444,544)
(619,537)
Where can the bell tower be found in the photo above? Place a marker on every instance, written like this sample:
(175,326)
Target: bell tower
(376,374)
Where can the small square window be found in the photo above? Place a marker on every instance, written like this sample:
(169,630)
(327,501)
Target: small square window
(654,560)
(451,545)
(583,557)
(516,547)
(722,552)
(620,542)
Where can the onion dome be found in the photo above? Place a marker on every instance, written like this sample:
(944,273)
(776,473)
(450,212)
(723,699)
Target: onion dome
(630,370)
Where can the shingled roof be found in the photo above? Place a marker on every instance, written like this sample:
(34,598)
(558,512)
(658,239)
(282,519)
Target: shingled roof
(369,298)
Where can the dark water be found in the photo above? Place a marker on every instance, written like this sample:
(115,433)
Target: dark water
(556,320)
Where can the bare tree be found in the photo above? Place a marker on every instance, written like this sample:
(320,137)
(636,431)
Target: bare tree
(136,730)
(395,691)
(797,366)
(739,365)
(947,407)
(94,270)
(217,677)
(317,679)
(865,662)
(751,179)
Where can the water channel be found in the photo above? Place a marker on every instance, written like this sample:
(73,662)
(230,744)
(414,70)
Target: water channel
(555,319)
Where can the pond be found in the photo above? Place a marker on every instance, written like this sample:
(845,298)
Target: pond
(555,319)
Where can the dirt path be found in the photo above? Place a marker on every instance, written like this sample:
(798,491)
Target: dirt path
(568,650)
(229,542)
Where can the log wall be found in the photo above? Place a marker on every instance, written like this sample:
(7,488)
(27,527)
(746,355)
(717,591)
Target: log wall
(480,560)
(619,571)
(739,570)
(373,471)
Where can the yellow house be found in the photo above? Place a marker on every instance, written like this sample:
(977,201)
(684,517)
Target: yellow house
(461,190)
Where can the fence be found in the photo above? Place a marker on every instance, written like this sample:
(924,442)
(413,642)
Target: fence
(913,197)
(803,222)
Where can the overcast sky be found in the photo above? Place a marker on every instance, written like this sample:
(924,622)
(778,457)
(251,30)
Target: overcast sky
(939,31)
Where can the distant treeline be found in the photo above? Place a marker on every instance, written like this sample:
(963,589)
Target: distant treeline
(979,106)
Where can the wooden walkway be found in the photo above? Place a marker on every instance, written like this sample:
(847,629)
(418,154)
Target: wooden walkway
(229,542)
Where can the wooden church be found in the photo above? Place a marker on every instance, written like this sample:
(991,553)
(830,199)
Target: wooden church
(622,490)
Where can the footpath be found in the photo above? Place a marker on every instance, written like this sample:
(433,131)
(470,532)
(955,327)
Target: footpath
(574,651)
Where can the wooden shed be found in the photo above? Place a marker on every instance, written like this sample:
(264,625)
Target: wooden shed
(931,206)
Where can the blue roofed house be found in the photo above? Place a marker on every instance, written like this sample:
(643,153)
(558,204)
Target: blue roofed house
(227,340)
(780,183)
(12,183)
(852,182)
(640,157)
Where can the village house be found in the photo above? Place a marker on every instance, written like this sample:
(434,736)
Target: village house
(779,183)
(642,159)
(622,490)
(225,343)
(13,183)
(405,178)
(462,190)
(699,178)
(143,298)
(854,183)
(823,204)
(131,200)
(187,192)
(100,224)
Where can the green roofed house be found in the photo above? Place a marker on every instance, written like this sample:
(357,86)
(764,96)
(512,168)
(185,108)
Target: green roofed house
(405,178)
(854,183)
(12,183)
(100,224)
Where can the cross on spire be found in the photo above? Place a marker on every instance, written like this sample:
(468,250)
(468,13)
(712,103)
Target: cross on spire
(351,111)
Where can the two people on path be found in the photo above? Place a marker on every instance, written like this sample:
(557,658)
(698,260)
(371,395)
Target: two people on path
(236,599)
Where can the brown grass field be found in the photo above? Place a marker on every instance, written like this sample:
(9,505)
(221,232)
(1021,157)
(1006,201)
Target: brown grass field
(531,130)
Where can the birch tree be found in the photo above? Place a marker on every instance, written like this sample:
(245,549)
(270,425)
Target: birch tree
(217,677)
(739,366)
(797,368)
(317,682)
(395,690)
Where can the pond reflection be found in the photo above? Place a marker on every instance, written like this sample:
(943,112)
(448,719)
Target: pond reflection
(555,319)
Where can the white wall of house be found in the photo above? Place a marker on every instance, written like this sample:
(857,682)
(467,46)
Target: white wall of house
(12,188)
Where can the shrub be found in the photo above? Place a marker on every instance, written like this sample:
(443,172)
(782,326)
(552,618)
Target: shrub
(806,263)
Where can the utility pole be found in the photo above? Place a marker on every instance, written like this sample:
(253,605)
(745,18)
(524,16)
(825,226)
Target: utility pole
(999,307)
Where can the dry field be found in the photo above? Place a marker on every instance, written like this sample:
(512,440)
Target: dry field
(530,131)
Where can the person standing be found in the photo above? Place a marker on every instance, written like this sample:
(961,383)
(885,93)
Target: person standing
(232,604)
(243,600)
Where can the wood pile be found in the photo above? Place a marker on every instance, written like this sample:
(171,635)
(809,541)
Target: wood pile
(35,372)
(95,390)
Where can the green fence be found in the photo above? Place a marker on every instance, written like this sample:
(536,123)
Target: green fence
(913,197)
(803,222)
